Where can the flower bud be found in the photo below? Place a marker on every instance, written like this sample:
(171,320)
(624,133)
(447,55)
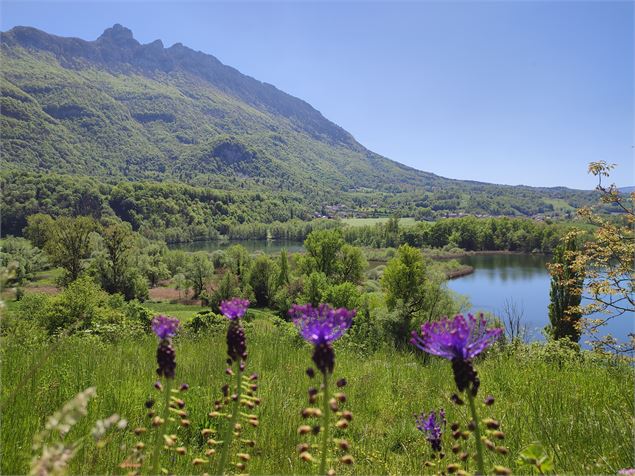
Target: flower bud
(502,470)
(343,445)
(304,429)
(491,424)
(342,424)
(302,447)
(347,460)
(501,450)
(306,456)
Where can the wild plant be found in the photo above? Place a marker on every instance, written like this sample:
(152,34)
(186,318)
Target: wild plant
(460,340)
(321,326)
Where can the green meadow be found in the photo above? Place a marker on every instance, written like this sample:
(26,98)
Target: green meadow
(579,407)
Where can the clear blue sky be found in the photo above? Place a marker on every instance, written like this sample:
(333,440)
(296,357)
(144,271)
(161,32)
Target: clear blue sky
(506,92)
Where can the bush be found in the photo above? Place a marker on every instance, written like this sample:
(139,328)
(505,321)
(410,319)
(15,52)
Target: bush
(206,321)
(366,334)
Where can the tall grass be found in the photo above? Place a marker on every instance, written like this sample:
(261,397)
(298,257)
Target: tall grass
(582,412)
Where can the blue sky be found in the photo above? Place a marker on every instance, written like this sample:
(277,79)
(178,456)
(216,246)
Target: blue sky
(517,92)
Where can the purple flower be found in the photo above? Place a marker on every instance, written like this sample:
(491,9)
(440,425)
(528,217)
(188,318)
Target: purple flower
(432,425)
(627,472)
(456,339)
(322,324)
(165,326)
(234,308)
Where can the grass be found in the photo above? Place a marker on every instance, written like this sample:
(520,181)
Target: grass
(582,412)
(182,311)
(372,221)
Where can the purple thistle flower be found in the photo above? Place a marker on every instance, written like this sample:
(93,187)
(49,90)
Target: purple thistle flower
(322,324)
(432,425)
(457,338)
(234,308)
(165,326)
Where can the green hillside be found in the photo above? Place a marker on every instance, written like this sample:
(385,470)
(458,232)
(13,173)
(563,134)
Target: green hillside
(116,110)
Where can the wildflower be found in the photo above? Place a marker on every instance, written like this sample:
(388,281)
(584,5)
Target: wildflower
(432,425)
(458,340)
(241,392)
(321,326)
(234,308)
(164,326)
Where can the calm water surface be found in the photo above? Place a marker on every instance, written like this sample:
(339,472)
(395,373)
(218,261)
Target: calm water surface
(522,280)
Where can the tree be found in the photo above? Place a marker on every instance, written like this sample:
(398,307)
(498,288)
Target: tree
(152,263)
(229,287)
(262,279)
(180,283)
(315,286)
(283,270)
(607,260)
(117,242)
(566,291)
(114,265)
(38,229)
(69,244)
(239,260)
(351,264)
(200,269)
(403,283)
(322,248)
(23,258)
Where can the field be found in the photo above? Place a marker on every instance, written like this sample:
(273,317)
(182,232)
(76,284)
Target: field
(581,411)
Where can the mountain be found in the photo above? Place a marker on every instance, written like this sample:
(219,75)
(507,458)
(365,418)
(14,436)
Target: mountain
(118,110)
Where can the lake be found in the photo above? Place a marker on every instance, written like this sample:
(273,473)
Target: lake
(520,279)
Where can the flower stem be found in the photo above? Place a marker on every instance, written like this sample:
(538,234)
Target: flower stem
(229,432)
(158,437)
(477,434)
(325,424)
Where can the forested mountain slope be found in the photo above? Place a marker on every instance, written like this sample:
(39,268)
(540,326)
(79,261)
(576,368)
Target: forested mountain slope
(116,110)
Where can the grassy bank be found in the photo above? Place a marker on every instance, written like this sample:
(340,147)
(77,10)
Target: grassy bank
(581,411)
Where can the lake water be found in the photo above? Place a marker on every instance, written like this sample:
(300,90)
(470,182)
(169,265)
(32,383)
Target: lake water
(524,281)
(520,279)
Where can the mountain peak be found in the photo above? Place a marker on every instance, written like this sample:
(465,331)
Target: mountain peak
(119,35)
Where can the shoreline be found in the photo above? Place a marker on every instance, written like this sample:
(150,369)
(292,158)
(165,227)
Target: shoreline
(463,254)
(459,273)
